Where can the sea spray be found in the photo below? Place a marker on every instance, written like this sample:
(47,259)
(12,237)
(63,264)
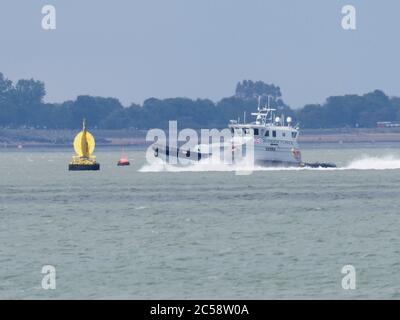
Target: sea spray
(375,163)
(365,163)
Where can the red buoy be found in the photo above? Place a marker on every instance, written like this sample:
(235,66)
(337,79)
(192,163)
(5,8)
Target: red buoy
(123,162)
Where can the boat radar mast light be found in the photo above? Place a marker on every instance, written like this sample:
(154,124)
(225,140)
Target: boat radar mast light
(84,144)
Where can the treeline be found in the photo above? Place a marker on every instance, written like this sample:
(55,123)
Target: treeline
(351,111)
(22,105)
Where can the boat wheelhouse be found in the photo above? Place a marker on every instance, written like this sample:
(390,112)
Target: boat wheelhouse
(275,139)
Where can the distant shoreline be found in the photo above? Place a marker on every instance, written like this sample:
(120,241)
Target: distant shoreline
(130,137)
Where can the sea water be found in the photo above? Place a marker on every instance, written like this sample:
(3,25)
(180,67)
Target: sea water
(161,232)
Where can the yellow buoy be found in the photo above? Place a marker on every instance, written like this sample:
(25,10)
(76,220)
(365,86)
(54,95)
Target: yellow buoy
(84,144)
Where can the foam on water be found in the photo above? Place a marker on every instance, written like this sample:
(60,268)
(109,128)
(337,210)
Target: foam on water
(215,166)
(364,163)
(375,163)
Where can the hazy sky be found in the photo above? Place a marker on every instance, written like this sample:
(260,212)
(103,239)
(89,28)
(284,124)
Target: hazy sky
(135,49)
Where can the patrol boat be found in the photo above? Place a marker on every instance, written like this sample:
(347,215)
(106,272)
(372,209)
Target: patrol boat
(273,138)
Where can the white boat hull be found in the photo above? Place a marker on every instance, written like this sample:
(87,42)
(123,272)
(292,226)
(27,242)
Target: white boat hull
(264,156)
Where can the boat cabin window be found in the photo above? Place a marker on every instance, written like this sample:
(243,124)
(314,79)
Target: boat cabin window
(283,134)
(188,154)
(274,133)
(255,132)
(294,134)
(232,130)
(267,133)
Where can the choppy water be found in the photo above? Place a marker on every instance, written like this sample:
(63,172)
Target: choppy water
(151,232)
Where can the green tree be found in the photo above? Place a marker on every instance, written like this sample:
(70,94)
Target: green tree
(29,92)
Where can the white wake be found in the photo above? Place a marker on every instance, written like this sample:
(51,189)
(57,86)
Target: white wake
(364,163)
(214,166)
(374,163)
